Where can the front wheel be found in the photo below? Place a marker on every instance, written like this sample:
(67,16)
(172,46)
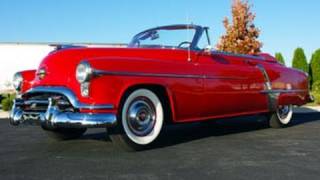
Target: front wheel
(140,120)
(282,117)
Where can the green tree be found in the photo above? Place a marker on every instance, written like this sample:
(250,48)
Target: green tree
(316,92)
(310,72)
(300,61)
(280,58)
(315,66)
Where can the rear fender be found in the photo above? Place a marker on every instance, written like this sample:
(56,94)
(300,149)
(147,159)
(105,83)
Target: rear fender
(298,99)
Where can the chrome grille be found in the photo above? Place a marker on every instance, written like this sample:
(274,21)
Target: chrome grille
(39,102)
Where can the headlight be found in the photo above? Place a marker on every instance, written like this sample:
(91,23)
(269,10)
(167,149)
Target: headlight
(17,81)
(84,72)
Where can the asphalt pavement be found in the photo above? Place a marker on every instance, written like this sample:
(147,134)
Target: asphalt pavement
(241,148)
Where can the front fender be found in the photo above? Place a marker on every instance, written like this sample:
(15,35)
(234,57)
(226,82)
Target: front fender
(28,78)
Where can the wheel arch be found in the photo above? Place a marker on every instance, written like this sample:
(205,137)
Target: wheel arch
(161,91)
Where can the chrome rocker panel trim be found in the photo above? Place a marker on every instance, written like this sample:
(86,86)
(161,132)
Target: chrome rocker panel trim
(53,118)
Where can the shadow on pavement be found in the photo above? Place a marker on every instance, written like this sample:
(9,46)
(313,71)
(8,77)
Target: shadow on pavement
(306,109)
(181,133)
(302,118)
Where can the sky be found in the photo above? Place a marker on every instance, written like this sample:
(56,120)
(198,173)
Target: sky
(285,24)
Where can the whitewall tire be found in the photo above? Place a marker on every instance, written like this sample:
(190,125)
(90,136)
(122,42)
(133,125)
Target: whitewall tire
(282,117)
(141,118)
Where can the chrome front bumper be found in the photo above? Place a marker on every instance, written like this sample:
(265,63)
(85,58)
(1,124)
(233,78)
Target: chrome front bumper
(55,118)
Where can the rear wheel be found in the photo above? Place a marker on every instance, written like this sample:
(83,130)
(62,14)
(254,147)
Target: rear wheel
(65,133)
(282,117)
(140,120)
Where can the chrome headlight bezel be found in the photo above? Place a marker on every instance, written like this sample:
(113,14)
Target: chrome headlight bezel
(84,72)
(17,81)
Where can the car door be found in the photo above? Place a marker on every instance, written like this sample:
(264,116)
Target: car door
(233,85)
(186,85)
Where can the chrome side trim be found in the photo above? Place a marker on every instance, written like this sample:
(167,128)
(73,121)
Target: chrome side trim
(70,95)
(114,73)
(272,97)
(266,77)
(225,77)
(283,91)
(164,75)
(237,55)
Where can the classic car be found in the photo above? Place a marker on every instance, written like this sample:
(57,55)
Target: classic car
(166,75)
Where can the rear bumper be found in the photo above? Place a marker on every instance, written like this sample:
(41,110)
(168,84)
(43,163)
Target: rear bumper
(310,98)
(52,117)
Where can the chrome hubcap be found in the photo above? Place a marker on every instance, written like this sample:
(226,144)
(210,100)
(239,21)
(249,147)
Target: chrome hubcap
(283,111)
(141,116)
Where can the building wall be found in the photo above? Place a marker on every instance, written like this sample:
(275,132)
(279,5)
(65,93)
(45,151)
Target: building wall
(15,57)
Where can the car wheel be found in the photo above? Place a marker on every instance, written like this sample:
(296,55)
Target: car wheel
(282,117)
(140,120)
(65,133)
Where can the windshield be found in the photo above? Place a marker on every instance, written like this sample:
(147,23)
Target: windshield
(166,37)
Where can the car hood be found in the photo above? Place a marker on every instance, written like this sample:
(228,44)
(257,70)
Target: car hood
(60,66)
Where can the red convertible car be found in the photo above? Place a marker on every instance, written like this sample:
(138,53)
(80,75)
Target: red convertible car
(165,75)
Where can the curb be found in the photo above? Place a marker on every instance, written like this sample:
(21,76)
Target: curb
(4,115)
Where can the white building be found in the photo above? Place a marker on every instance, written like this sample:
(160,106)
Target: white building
(15,57)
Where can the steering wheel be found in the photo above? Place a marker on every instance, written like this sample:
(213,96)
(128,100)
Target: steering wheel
(184,43)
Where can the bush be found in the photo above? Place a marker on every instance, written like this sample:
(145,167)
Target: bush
(300,61)
(315,66)
(316,92)
(280,58)
(7,102)
(1,98)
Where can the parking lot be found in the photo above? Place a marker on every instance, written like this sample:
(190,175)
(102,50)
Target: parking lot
(241,148)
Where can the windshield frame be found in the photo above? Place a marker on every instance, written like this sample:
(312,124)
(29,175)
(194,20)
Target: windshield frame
(199,31)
